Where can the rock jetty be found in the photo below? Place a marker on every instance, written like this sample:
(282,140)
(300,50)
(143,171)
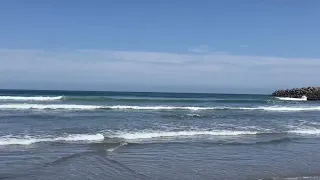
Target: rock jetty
(312,93)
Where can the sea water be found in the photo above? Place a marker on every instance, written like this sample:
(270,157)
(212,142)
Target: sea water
(126,135)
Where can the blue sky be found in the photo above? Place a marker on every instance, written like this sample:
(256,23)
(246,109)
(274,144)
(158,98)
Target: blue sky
(198,46)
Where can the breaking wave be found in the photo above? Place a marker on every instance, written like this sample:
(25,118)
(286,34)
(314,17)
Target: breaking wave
(121,107)
(193,115)
(162,134)
(284,108)
(161,100)
(167,136)
(34,98)
(30,140)
(27,140)
(49,106)
(312,131)
(311,177)
(291,99)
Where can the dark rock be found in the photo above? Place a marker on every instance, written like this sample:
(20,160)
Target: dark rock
(312,93)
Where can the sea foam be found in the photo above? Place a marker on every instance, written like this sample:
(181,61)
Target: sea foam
(49,106)
(118,107)
(88,107)
(284,108)
(161,107)
(34,98)
(160,134)
(292,99)
(312,131)
(26,140)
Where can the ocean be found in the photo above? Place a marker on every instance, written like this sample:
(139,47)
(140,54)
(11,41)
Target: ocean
(74,135)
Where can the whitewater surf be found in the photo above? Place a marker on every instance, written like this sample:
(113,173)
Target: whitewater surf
(78,107)
(126,135)
(303,98)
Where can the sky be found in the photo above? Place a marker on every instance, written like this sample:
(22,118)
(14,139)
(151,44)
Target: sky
(249,46)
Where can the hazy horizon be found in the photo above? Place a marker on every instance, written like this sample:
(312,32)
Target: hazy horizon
(161,90)
(238,47)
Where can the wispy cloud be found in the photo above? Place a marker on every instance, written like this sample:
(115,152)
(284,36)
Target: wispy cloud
(155,68)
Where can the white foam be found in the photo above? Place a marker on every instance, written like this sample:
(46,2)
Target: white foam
(292,99)
(162,108)
(19,141)
(34,98)
(81,137)
(306,131)
(303,177)
(88,107)
(48,106)
(278,108)
(26,140)
(159,134)
(284,108)
(92,107)
(193,115)
(115,148)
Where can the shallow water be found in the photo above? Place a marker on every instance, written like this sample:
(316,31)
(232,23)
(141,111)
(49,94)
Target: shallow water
(124,135)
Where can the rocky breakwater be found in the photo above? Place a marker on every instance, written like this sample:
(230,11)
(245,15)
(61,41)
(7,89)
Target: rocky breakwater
(312,93)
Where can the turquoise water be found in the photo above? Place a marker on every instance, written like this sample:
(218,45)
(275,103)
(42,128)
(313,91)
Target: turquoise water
(127,135)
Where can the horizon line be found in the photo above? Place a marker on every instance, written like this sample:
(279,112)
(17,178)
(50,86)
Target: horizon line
(126,91)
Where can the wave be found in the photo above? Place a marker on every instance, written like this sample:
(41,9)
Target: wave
(121,107)
(161,108)
(270,108)
(292,99)
(34,98)
(274,137)
(133,99)
(152,136)
(31,140)
(161,100)
(27,140)
(306,131)
(311,177)
(276,141)
(48,106)
(193,115)
(284,108)
(221,142)
(163,134)
(90,107)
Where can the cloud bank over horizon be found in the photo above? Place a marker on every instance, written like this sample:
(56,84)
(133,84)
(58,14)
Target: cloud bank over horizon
(139,70)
